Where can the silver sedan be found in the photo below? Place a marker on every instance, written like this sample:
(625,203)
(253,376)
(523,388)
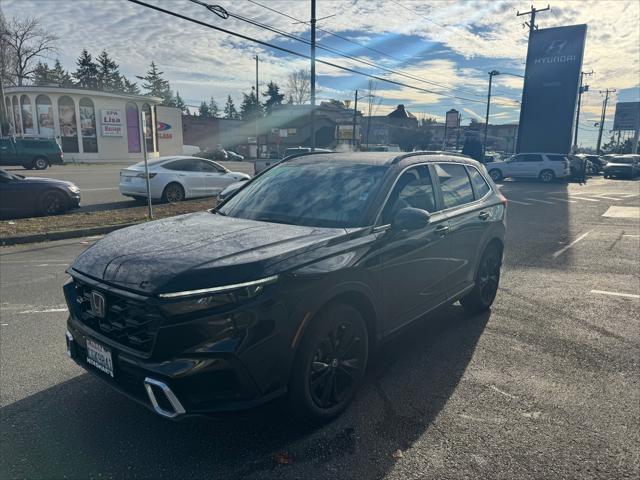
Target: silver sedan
(173,179)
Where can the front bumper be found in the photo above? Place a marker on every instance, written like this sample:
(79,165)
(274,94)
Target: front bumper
(176,387)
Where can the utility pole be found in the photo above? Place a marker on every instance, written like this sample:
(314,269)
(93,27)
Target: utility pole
(257,111)
(602,117)
(486,121)
(355,110)
(4,115)
(582,90)
(532,22)
(313,75)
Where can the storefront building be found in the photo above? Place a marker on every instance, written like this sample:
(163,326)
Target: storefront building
(94,126)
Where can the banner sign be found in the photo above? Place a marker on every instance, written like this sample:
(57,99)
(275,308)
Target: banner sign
(627,116)
(550,92)
(111,122)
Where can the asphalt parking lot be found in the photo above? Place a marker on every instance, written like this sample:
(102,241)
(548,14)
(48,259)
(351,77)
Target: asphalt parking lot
(99,183)
(544,386)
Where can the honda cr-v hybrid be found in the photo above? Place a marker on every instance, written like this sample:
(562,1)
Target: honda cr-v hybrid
(285,287)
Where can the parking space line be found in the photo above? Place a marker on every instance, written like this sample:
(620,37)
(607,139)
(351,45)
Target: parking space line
(97,189)
(608,198)
(585,199)
(564,200)
(517,202)
(631,236)
(616,294)
(541,201)
(567,247)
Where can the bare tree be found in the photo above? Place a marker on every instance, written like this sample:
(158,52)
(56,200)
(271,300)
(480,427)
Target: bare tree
(372,106)
(5,68)
(299,87)
(26,42)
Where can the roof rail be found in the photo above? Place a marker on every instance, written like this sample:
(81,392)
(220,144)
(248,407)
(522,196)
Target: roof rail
(428,152)
(303,154)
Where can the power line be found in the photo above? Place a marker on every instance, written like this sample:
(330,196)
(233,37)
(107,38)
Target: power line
(346,55)
(298,54)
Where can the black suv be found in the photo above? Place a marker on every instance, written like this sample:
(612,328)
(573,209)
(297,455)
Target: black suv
(286,286)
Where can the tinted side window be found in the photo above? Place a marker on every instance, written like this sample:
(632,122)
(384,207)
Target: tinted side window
(478,182)
(204,166)
(186,165)
(413,189)
(529,157)
(455,184)
(557,158)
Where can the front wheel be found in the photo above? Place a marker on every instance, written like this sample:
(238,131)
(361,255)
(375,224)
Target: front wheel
(52,203)
(495,174)
(487,280)
(330,364)
(40,163)
(546,176)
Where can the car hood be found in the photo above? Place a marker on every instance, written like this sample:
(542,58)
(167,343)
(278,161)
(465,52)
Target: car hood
(51,181)
(194,251)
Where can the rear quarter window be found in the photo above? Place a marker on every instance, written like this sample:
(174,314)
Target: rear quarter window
(479,183)
(455,184)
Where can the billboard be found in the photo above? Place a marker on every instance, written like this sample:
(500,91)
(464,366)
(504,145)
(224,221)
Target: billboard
(550,92)
(452,119)
(627,116)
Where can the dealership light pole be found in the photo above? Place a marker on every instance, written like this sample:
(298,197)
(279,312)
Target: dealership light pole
(602,117)
(581,90)
(313,75)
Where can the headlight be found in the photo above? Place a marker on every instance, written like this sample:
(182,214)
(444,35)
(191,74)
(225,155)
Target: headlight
(73,189)
(214,297)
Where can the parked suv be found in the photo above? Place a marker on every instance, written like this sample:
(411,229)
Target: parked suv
(544,166)
(285,288)
(622,166)
(30,152)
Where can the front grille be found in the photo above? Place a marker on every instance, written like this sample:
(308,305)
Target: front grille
(131,323)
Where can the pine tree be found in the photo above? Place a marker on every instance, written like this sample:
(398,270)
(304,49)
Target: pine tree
(250,108)
(204,110)
(214,111)
(42,75)
(60,76)
(87,72)
(157,86)
(273,97)
(179,103)
(230,111)
(130,87)
(108,73)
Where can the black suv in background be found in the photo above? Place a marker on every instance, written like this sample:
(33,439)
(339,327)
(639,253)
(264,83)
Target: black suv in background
(285,288)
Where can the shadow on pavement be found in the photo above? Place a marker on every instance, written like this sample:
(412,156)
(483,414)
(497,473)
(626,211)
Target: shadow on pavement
(81,428)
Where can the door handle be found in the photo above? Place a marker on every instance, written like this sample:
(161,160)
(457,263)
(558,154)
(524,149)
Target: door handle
(484,216)
(442,230)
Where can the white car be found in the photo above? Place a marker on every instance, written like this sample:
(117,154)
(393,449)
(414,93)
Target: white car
(173,179)
(544,166)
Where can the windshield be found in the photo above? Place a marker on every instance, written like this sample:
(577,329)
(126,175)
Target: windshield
(319,194)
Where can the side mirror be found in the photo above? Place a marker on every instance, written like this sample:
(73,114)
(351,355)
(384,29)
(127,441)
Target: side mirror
(410,219)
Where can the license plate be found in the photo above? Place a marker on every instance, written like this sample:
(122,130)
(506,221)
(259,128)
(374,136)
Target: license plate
(100,357)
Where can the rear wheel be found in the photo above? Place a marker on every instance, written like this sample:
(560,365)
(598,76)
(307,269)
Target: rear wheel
(52,203)
(40,163)
(330,364)
(173,193)
(487,280)
(495,174)
(546,176)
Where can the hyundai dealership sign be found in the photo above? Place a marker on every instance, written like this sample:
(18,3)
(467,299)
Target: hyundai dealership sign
(550,92)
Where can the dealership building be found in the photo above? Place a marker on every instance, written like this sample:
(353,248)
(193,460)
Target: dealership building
(95,126)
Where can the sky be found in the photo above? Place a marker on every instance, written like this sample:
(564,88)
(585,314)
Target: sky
(447,47)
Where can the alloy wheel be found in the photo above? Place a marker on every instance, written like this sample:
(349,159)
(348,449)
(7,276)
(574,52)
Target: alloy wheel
(40,163)
(337,365)
(52,204)
(489,277)
(546,177)
(174,194)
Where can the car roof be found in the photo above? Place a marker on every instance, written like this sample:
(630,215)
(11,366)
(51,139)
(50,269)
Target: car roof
(381,158)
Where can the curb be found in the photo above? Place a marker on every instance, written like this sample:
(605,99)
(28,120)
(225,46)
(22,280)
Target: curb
(64,235)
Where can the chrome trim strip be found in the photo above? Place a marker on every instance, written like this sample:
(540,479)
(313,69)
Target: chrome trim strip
(69,343)
(178,409)
(224,288)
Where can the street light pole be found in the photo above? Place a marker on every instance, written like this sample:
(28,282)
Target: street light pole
(583,89)
(257,111)
(486,121)
(313,75)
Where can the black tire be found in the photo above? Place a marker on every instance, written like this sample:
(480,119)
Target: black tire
(28,167)
(173,193)
(329,365)
(52,203)
(487,281)
(606,176)
(495,174)
(547,176)
(40,163)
